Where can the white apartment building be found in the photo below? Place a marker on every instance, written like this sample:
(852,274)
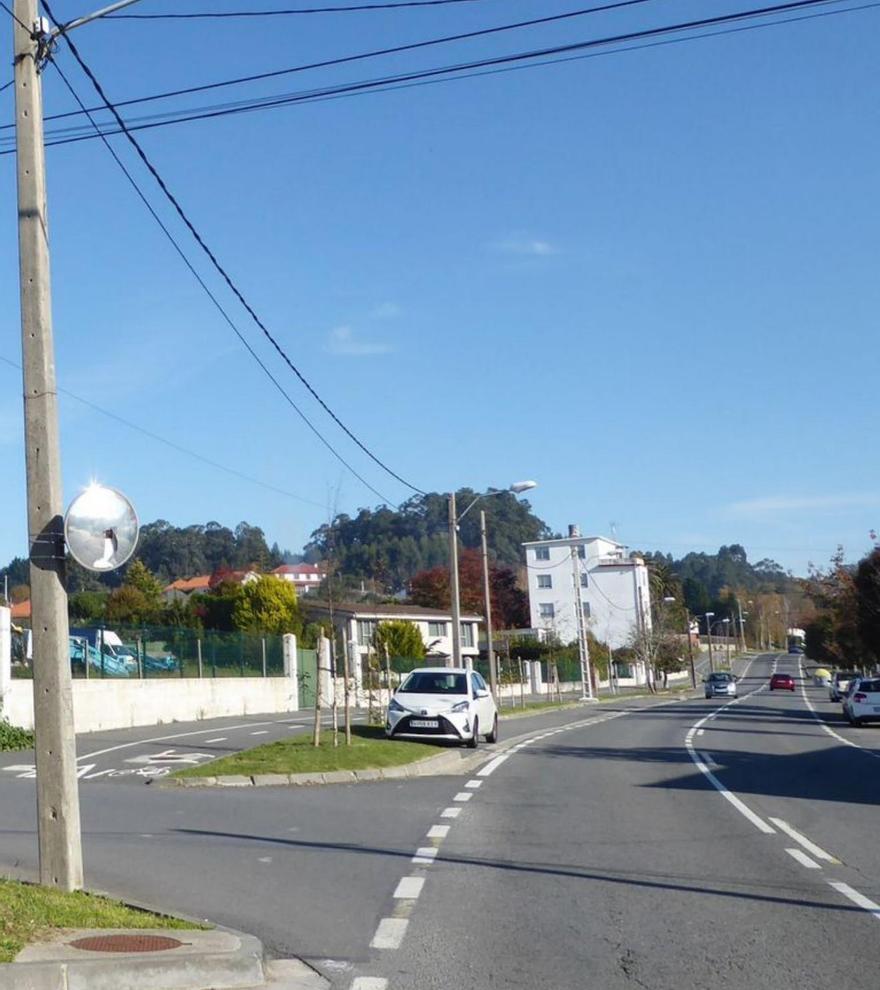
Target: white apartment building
(614,590)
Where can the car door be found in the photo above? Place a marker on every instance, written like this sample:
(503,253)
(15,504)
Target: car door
(484,704)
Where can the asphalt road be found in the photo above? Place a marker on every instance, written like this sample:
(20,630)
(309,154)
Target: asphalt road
(601,853)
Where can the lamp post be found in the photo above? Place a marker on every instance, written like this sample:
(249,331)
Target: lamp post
(455,593)
(726,623)
(708,616)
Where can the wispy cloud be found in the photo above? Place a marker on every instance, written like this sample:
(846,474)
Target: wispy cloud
(386,311)
(768,505)
(524,246)
(343,342)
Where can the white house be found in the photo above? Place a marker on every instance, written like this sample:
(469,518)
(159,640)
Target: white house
(358,623)
(614,590)
(304,577)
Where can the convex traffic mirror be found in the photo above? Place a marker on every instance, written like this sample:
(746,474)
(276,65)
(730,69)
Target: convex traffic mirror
(101,528)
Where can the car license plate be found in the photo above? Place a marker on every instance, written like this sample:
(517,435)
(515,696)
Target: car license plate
(424,723)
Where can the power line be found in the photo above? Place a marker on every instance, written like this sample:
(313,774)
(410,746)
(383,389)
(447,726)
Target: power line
(174,445)
(217,303)
(376,53)
(431,76)
(216,15)
(14,16)
(6,86)
(220,269)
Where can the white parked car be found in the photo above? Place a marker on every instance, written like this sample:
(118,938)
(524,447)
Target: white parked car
(443,703)
(862,702)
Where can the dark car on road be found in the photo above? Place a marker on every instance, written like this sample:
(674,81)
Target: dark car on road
(782,682)
(720,683)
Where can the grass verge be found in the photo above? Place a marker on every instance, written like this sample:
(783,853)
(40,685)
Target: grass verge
(12,738)
(369,750)
(29,912)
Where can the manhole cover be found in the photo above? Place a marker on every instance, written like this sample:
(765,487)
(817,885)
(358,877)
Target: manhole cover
(126,943)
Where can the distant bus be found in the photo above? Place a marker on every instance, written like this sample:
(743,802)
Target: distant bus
(795,640)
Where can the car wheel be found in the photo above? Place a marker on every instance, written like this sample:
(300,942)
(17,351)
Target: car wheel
(857,722)
(492,737)
(474,740)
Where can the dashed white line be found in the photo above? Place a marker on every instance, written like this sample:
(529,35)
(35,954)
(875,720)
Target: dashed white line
(803,858)
(425,855)
(438,831)
(463,796)
(409,888)
(389,933)
(810,846)
(369,983)
(863,902)
(474,784)
(262,732)
(450,812)
(218,739)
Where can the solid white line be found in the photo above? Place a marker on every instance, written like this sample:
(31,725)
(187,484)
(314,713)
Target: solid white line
(409,888)
(829,730)
(710,763)
(856,897)
(493,765)
(425,854)
(450,812)
(218,739)
(369,983)
(463,796)
(389,933)
(438,832)
(474,784)
(811,847)
(803,858)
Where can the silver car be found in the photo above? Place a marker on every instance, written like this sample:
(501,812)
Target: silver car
(839,685)
(720,684)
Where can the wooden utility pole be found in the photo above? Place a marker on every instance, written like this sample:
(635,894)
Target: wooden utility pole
(58,818)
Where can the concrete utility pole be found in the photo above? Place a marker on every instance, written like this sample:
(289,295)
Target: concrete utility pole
(742,626)
(708,617)
(493,672)
(583,642)
(58,820)
(455,659)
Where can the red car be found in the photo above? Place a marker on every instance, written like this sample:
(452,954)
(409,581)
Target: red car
(782,682)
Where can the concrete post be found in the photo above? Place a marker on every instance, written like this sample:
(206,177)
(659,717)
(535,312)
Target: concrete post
(5,654)
(537,678)
(469,664)
(324,673)
(291,667)
(357,673)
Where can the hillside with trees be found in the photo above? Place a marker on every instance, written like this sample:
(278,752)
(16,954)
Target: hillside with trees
(387,547)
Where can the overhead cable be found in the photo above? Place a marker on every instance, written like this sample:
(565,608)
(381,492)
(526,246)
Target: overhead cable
(220,308)
(218,15)
(174,445)
(221,270)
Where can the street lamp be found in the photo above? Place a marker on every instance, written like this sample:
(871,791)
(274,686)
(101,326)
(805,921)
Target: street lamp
(454,520)
(708,616)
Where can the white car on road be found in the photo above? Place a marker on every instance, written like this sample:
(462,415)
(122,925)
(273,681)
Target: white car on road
(862,702)
(443,703)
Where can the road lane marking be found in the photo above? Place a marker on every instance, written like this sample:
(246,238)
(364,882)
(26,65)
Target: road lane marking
(409,888)
(829,730)
(493,765)
(450,812)
(700,731)
(218,739)
(425,855)
(863,902)
(389,933)
(438,832)
(463,796)
(803,858)
(810,846)
(474,784)
(710,763)
(262,732)
(369,983)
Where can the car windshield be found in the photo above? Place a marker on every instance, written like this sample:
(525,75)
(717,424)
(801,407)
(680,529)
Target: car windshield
(871,687)
(720,677)
(434,682)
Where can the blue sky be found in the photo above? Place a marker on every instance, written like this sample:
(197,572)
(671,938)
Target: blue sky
(647,280)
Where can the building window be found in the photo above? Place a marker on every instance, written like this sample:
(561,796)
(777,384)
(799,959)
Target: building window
(542,553)
(586,606)
(545,581)
(582,552)
(546,610)
(585,580)
(437,629)
(467,634)
(365,630)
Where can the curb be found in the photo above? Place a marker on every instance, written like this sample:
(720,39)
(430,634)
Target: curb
(449,762)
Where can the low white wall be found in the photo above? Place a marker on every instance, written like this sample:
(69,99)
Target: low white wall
(120,704)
